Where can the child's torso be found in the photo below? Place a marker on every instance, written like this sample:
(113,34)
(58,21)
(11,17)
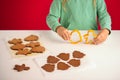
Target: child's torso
(79,14)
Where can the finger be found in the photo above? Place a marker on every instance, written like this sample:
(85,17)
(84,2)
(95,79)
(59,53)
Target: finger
(66,35)
(97,40)
(62,37)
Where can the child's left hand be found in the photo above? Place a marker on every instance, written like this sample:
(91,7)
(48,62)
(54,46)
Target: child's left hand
(101,37)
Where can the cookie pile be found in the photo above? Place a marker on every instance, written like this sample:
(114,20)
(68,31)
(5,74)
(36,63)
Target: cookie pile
(26,46)
(63,61)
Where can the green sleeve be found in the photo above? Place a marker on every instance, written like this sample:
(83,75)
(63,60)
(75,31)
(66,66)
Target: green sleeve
(103,16)
(54,15)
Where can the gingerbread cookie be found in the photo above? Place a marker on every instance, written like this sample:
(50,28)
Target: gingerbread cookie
(15,41)
(17,47)
(52,59)
(31,38)
(33,44)
(74,62)
(23,52)
(59,64)
(38,49)
(21,67)
(62,66)
(64,56)
(48,67)
(78,54)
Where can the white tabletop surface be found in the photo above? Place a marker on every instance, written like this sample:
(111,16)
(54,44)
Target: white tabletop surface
(105,57)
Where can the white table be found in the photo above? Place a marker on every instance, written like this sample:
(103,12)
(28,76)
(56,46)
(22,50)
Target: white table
(105,56)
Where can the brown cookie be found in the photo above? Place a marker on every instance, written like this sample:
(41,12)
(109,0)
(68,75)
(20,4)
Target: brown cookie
(15,41)
(17,47)
(74,62)
(78,54)
(52,59)
(33,44)
(48,67)
(62,66)
(38,49)
(64,56)
(23,52)
(31,38)
(21,67)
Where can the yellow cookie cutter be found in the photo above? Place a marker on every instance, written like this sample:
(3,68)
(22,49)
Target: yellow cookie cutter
(87,35)
(79,34)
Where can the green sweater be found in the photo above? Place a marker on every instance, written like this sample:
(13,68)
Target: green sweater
(78,14)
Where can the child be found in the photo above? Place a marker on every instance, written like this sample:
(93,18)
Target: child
(67,15)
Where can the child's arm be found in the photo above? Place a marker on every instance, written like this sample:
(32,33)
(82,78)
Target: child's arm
(105,22)
(103,15)
(53,20)
(54,14)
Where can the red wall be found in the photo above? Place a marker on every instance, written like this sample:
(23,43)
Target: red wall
(31,14)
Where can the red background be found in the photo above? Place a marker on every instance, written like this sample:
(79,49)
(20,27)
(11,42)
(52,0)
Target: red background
(31,14)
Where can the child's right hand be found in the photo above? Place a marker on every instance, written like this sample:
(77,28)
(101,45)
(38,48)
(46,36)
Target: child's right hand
(63,32)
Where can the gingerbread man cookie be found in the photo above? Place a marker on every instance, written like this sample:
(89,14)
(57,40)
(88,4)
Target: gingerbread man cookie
(38,49)
(33,44)
(21,67)
(17,47)
(23,52)
(15,41)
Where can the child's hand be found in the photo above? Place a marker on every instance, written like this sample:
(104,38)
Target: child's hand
(101,37)
(63,32)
